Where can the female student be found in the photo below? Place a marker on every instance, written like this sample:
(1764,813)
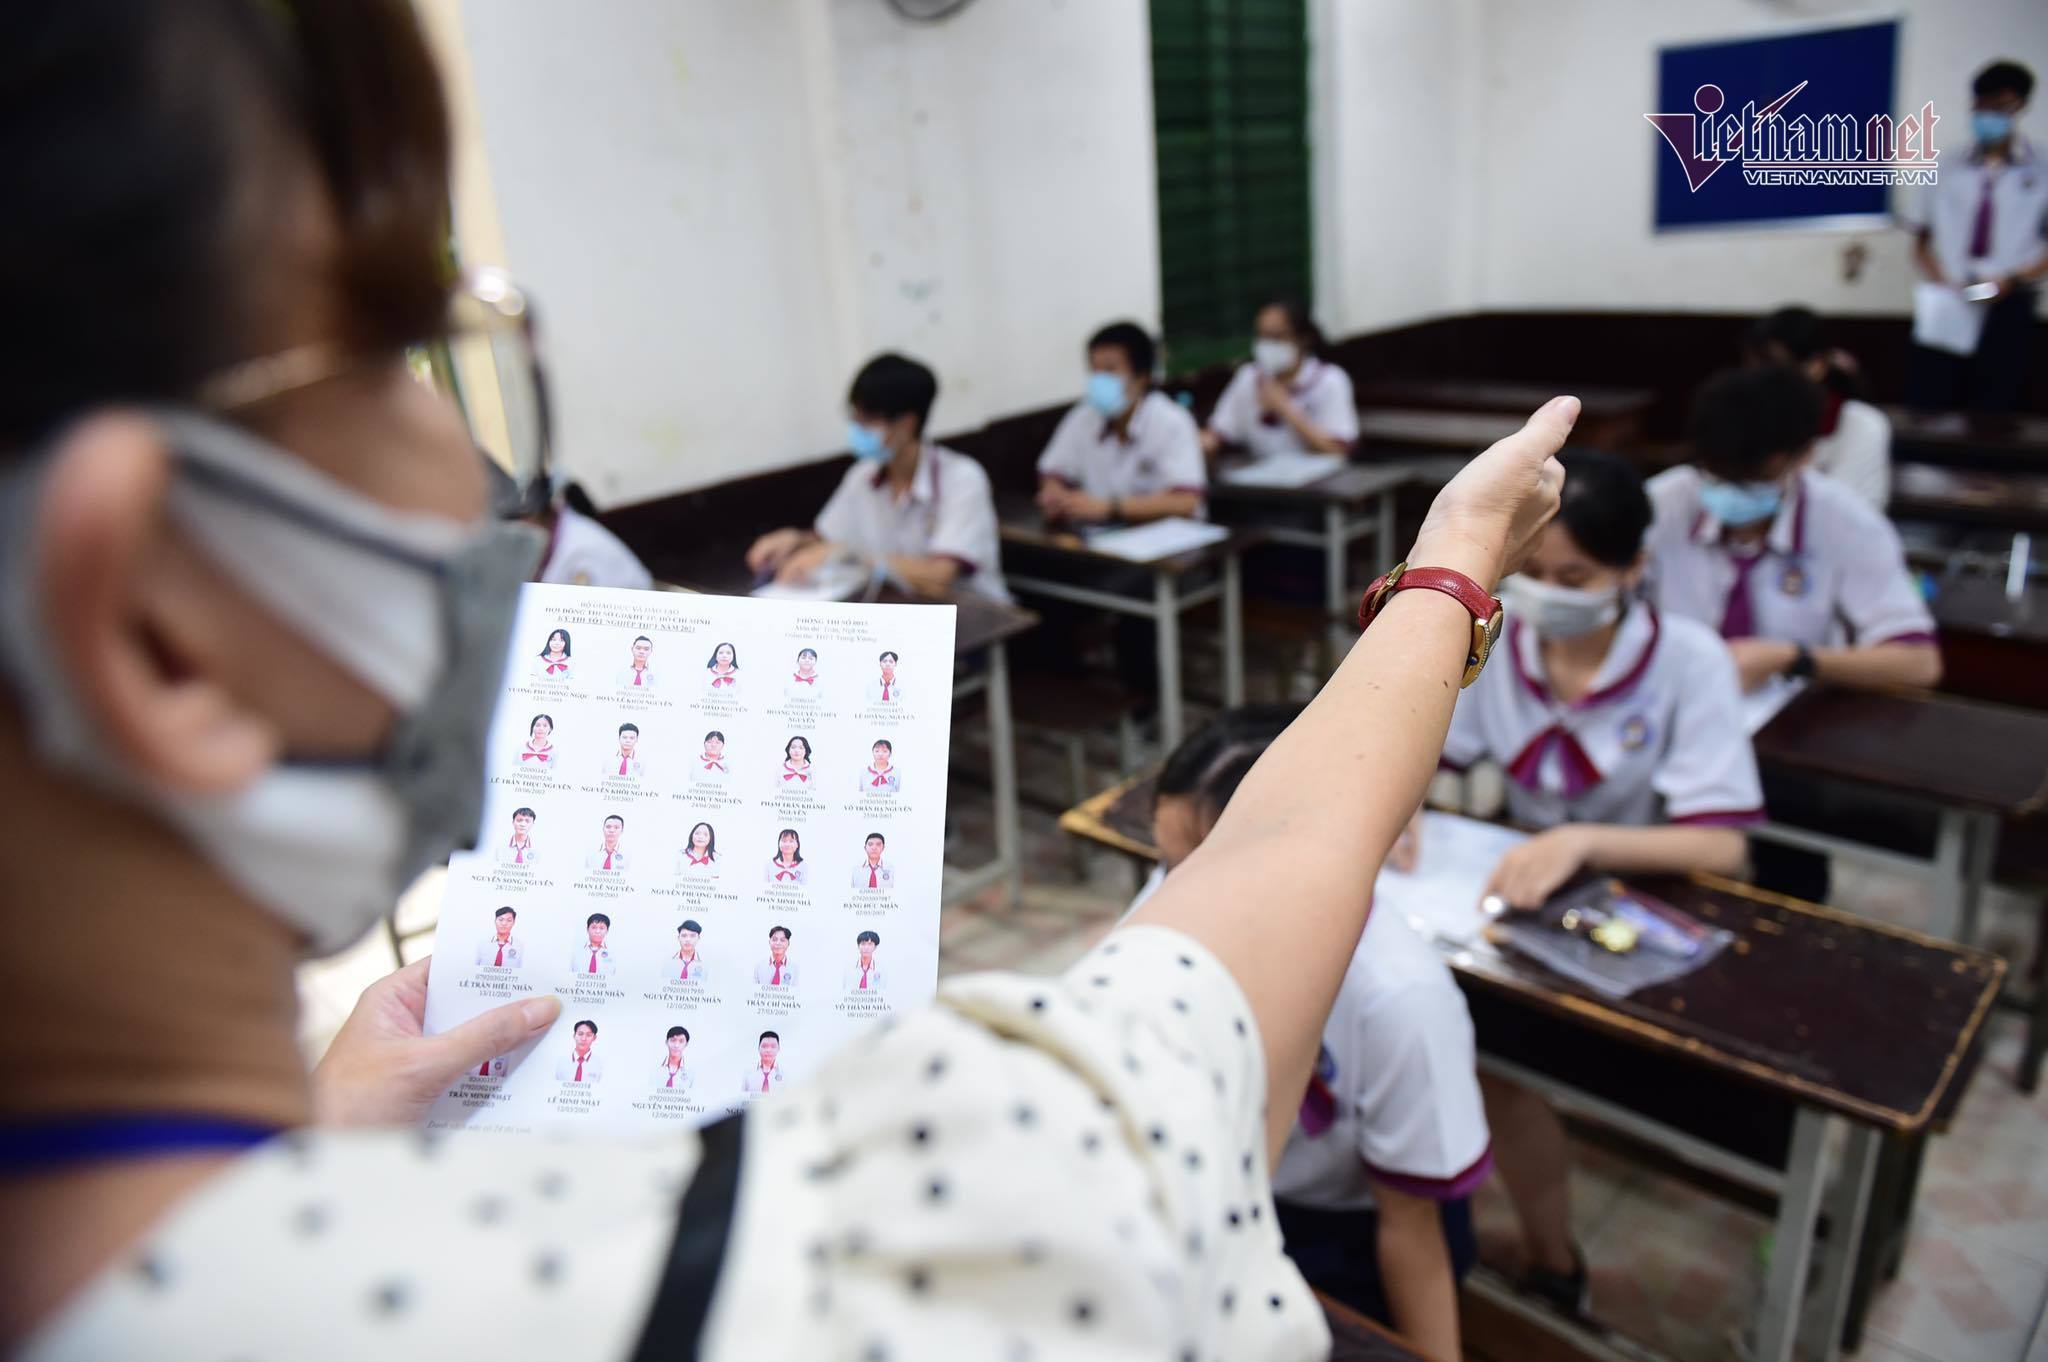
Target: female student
(710,767)
(700,857)
(1854,443)
(786,866)
(1620,732)
(723,670)
(553,662)
(148,1192)
(795,777)
(537,756)
(1373,1188)
(881,776)
(1285,400)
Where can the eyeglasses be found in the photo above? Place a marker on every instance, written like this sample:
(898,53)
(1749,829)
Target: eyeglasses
(486,359)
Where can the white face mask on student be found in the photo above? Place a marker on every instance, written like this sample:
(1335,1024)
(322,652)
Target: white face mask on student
(1559,611)
(1275,357)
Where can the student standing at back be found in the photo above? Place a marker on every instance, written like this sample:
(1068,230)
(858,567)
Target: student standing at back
(1802,578)
(1126,452)
(1854,446)
(1285,399)
(919,509)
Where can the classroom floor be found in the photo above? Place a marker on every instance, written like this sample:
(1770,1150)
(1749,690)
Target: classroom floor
(1671,1266)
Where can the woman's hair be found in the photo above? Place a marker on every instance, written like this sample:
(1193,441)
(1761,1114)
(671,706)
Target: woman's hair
(714,733)
(551,639)
(710,839)
(1604,506)
(712,661)
(1299,322)
(795,857)
(154,153)
(1210,762)
(794,740)
(536,723)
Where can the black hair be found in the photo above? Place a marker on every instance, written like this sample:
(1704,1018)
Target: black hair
(790,832)
(610,816)
(889,654)
(874,837)
(768,1035)
(154,152)
(675,1031)
(596,918)
(536,723)
(1604,506)
(507,909)
(787,934)
(710,839)
(551,636)
(2003,78)
(642,638)
(1801,335)
(893,385)
(1743,419)
(585,1022)
(1133,340)
(528,812)
(794,739)
(883,742)
(1212,761)
(870,935)
(714,733)
(712,660)
(690,924)
(624,727)
(1299,322)
(802,652)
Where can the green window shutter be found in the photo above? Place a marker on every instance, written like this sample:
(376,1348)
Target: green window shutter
(1230,115)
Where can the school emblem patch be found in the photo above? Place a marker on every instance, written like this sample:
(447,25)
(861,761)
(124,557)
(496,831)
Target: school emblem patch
(1635,733)
(1792,581)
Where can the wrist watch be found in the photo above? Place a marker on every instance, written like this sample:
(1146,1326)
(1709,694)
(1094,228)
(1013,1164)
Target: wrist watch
(1485,609)
(1800,668)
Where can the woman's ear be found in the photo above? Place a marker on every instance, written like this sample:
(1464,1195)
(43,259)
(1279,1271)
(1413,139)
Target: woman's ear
(127,605)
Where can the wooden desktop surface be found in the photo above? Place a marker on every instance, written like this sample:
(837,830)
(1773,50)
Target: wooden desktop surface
(1406,428)
(1351,486)
(2016,441)
(1025,529)
(1937,747)
(1596,401)
(1965,496)
(1813,1005)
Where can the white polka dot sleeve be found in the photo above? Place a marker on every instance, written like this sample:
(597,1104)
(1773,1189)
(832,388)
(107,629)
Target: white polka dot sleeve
(1068,1168)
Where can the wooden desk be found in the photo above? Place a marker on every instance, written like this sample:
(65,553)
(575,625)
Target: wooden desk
(1993,646)
(981,625)
(1041,561)
(1460,432)
(2013,441)
(1354,1338)
(1998,500)
(1848,1021)
(1607,414)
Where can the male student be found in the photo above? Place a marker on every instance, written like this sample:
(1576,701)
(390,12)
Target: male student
(1800,576)
(887,687)
(687,964)
(593,957)
(764,1076)
(625,763)
(639,674)
(918,510)
(864,975)
(610,857)
(501,951)
(1985,221)
(871,873)
(670,1075)
(1125,452)
(776,971)
(520,850)
(580,1065)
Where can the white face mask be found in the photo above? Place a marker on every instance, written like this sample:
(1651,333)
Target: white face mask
(417,607)
(1275,357)
(1559,611)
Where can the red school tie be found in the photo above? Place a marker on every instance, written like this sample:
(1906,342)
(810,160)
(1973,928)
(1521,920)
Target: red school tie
(579,1070)
(764,1080)
(593,959)
(776,980)
(713,765)
(623,761)
(879,778)
(530,755)
(554,667)
(501,954)
(607,860)
(1738,615)
(718,681)
(483,1070)
(686,969)
(807,680)
(671,1078)
(1980,232)
(518,852)
(863,976)
(785,874)
(885,688)
(639,675)
(871,877)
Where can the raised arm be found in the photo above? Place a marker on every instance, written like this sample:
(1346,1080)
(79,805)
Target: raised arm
(1307,830)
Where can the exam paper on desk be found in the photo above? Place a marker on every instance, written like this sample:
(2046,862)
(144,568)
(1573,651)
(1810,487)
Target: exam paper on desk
(1440,897)
(1157,539)
(1285,470)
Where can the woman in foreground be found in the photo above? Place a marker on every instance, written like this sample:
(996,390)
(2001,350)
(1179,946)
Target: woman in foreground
(253,614)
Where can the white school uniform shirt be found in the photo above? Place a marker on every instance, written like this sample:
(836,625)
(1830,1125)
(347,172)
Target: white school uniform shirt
(514,854)
(487,953)
(1322,391)
(851,980)
(633,769)
(593,1068)
(792,781)
(582,552)
(596,861)
(698,970)
(687,863)
(1831,568)
(778,873)
(1857,452)
(881,782)
(765,972)
(547,669)
(809,689)
(949,512)
(1949,210)
(580,959)
(710,771)
(722,685)
(1395,1098)
(678,1080)
(894,687)
(1657,738)
(645,675)
(754,1087)
(876,876)
(1160,451)
(535,762)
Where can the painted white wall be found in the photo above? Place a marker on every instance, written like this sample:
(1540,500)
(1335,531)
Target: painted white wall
(722,209)
(1562,175)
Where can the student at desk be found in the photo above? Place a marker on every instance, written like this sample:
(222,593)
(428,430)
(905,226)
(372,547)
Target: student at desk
(1125,452)
(1285,400)
(1854,446)
(919,509)
(1779,561)
(1620,731)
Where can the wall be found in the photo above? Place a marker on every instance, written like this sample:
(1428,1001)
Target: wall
(723,208)
(1562,174)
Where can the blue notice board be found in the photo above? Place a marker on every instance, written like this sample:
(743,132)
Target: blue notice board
(1847,71)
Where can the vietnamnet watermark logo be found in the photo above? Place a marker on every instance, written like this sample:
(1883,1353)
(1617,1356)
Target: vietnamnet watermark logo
(1833,149)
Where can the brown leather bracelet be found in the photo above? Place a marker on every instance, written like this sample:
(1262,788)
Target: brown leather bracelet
(1484,607)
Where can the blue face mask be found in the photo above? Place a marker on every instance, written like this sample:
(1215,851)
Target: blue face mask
(1106,394)
(865,441)
(1991,126)
(1741,503)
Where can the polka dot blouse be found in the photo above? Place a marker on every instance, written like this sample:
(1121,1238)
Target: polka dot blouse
(1068,1168)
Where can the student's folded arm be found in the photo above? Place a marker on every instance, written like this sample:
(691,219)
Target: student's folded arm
(1415,1271)
(1307,830)
(1894,662)
(1314,436)
(1160,505)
